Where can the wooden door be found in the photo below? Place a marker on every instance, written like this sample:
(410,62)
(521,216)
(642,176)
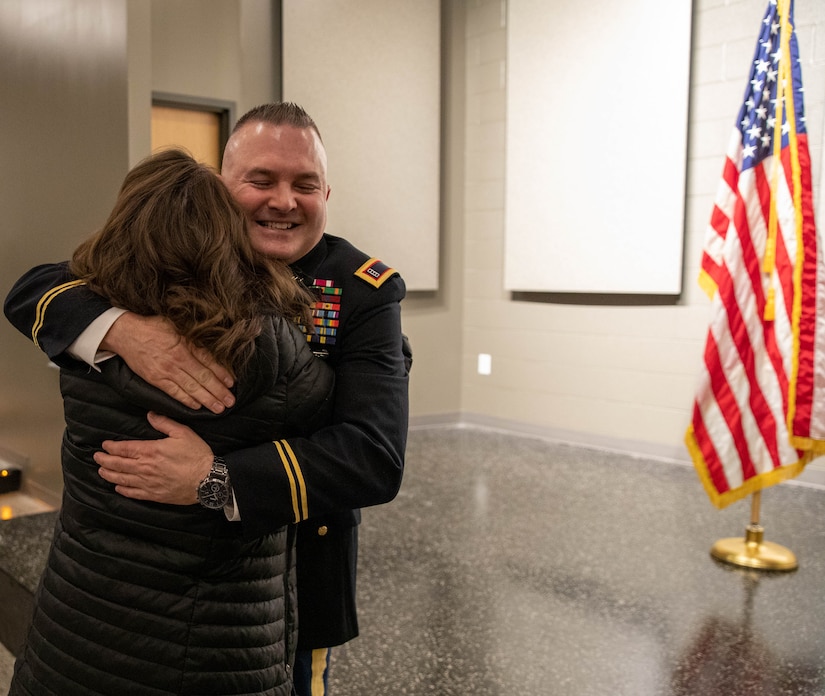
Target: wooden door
(196,131)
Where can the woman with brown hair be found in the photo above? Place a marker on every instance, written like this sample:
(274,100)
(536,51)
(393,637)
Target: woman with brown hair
(146,598)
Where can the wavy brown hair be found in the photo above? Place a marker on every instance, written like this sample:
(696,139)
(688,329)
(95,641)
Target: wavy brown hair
(175,245)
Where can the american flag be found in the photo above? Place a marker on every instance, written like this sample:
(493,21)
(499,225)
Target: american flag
(759,413)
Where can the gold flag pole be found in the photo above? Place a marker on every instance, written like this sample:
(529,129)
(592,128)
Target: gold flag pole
(752,551)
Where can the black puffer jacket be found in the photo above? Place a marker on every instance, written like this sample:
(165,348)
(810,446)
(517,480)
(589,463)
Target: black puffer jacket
(147,599)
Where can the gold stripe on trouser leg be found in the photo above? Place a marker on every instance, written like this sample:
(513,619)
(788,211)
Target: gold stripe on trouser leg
(319,666)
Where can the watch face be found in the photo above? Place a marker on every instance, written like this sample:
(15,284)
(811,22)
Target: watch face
(213,493)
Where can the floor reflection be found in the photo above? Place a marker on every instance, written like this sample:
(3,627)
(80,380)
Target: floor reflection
(510,566)
(729,657)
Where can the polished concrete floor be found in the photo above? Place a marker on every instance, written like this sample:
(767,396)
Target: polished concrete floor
(513,566)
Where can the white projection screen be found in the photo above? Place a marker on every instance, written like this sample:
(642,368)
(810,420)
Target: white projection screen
(597,115)
(369,72)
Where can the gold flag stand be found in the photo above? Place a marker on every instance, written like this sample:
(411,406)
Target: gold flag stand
(751,551)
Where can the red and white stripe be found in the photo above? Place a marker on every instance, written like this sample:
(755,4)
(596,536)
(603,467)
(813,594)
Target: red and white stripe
(760,375)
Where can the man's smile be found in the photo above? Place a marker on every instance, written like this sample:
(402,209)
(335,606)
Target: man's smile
(276,225)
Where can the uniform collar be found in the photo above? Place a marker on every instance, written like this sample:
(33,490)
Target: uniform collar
(307,266)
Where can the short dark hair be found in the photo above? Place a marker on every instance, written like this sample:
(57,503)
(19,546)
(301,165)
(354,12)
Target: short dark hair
(279,114)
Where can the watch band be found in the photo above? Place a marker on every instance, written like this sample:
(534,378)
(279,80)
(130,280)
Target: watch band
(219,467)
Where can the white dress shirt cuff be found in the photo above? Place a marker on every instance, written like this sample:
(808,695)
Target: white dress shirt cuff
(231,509)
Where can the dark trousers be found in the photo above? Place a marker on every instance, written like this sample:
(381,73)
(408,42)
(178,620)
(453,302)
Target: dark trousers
(311,672)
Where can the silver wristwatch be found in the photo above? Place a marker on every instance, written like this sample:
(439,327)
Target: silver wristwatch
(214,490)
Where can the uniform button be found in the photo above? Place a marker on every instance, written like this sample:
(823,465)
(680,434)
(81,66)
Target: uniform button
(322,530)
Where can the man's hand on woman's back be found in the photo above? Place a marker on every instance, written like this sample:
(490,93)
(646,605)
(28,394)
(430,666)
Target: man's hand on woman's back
(154,351)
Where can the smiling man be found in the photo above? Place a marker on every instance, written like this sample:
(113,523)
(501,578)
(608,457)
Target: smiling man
(278,174)
(275,167)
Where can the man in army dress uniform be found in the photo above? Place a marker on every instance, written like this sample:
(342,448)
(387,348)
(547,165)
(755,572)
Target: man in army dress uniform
(275,167)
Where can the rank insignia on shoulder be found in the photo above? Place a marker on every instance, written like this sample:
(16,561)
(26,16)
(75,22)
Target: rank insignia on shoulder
(375,272)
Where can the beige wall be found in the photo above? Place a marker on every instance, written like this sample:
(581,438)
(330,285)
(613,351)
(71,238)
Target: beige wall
(224,50)
(78,77)
(220,49)
(433,320)
(599,374)
(64,144)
